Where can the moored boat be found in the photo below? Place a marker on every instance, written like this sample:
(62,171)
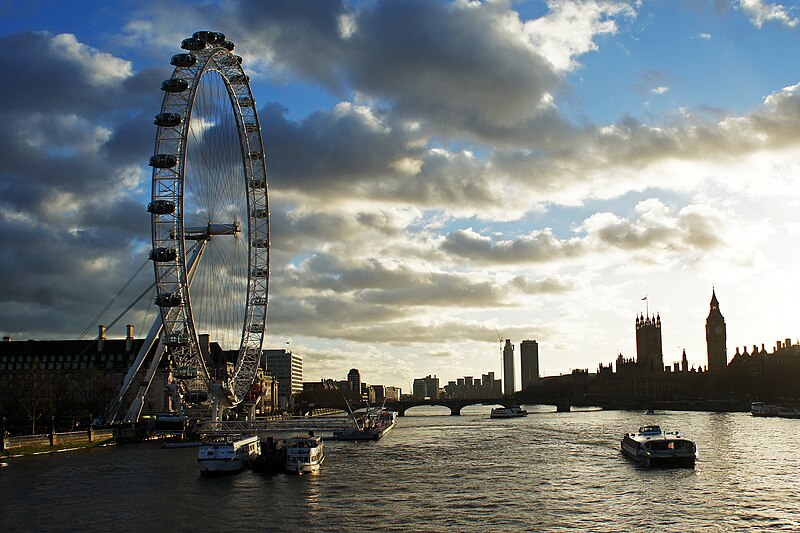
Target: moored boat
(508,412)
(653,446)
(304,454)
(229,455)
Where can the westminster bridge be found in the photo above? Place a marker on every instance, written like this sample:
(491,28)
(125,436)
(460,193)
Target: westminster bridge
(456,405)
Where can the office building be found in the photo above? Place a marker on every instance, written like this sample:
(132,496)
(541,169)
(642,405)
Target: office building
(287,367)
(508,369)
(529,363)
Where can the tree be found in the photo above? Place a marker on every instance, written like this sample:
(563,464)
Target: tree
(32,392)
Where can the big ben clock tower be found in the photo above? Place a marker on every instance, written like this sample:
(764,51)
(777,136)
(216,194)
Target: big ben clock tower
(716,339)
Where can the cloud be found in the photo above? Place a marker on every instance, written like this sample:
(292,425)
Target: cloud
(461,65)
(656,231)
(570,28)
(549,285)
(761,12)
(72,182)
(101,69)
(538,246)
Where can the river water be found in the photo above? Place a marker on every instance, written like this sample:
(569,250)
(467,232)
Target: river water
(547,472)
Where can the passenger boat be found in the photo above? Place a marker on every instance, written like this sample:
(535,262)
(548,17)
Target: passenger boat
(304,454)
(375,423)
(763,409)
(653,446)
(228,455)
(508,412)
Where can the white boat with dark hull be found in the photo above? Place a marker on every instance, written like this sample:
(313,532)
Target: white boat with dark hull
(228,455)
(655,447)
(763,409)
(304,454)
(374,424)
(508,412)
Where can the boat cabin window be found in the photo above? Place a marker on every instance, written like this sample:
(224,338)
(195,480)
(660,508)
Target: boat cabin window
(666,445)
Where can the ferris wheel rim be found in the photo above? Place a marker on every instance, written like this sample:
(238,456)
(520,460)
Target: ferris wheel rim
(173,265)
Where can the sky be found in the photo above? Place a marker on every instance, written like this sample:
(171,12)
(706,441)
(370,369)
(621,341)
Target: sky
(442,174)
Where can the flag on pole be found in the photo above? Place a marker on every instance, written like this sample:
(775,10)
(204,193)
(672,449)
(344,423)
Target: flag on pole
(645,298)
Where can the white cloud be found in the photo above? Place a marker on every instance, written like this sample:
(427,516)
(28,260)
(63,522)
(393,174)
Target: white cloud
(101,68)
(570,28)
(761,12)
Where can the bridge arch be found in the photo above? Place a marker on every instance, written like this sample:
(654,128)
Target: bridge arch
(444,409)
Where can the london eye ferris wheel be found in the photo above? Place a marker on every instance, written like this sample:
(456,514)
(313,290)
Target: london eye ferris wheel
(210,220)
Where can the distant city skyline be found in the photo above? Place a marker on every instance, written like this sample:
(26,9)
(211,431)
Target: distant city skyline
(524,168)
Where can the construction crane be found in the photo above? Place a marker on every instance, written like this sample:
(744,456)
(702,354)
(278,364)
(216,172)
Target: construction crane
(501,353)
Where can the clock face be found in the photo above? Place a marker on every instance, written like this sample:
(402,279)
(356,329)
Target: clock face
(718,329)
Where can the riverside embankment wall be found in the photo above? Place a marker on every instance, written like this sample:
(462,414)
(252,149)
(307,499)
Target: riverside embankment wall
(70,438)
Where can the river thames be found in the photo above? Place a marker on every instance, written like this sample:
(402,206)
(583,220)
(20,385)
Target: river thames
(547,472)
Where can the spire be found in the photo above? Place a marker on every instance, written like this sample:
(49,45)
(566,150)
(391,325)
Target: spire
(714,302)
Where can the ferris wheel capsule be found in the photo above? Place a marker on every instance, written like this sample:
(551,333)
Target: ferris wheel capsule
(183,60)
(193,44)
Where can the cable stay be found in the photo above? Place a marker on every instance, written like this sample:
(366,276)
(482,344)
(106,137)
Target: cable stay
(114,299)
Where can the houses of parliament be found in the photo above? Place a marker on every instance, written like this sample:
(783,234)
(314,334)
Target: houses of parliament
(755,374)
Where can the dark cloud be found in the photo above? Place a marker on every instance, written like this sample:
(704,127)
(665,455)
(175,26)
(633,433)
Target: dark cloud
(75,146)
(538,247)
(331,152)
(456,68)
(452,64)
(351,153)
(303,34)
